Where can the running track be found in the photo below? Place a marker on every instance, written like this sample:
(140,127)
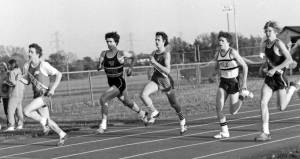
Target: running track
(132,141)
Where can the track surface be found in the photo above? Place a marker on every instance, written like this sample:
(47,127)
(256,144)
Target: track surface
(162,140)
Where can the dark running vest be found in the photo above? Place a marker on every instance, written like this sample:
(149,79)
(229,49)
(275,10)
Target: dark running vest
(112,66)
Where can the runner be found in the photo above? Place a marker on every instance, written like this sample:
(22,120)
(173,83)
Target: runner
(37,73)
(228,62)
(277,59)
(112,60)
(161,80)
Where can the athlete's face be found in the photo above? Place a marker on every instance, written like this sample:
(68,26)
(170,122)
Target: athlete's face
(159,42)
(111,44)
(270,33)
(33,56)
(223,43)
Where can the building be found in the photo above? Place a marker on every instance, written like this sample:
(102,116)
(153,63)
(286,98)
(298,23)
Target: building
(289,34)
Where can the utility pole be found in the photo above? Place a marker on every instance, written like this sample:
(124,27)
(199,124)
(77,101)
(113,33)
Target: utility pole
(56,41)
(235,26)
(227,9)
(182,50)
(131,48)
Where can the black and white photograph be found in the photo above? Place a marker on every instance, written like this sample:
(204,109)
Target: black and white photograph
(150,79)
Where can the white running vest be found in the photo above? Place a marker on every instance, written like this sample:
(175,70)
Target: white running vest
(228,66)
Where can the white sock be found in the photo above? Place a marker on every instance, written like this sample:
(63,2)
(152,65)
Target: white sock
(224,128)
(104,122)
(266,128)
(62,134)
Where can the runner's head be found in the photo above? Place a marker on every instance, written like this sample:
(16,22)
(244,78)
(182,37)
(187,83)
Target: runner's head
(35,51)
(12,64)
(161,39)
(225,39)
(112,39)
(271,28)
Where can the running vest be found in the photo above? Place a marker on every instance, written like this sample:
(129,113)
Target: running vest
(39,81)
(228,66)
(112,66)
(161,60)
(273,58)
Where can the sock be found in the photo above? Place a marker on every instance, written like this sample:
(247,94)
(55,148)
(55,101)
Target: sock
(224,127)
(266,128)
(62,134)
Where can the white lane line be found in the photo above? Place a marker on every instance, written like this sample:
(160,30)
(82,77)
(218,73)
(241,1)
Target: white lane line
(202,143)
(150,141)
(120,130)
(247,147)
(143,133)
(94,141)
(135,128)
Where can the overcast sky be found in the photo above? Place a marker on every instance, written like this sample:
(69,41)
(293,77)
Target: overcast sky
(82,24)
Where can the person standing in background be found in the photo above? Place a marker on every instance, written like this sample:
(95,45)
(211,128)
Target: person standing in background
(16,91)
(4,87)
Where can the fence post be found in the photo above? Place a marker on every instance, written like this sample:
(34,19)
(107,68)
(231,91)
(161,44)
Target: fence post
(91,88)
(177,69)
(68,83)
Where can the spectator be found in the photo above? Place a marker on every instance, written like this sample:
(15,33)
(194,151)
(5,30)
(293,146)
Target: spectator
(16,91)
(4,87)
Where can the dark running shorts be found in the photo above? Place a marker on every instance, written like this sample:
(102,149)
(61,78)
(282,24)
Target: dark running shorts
(46,99)
(278,81)
(230,85)
(165,84)
(118,82)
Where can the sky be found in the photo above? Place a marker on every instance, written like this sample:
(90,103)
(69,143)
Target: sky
(80,25)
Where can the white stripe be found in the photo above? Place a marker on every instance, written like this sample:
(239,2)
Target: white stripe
(137,143)
(270,142)
(129,135)
(202,143)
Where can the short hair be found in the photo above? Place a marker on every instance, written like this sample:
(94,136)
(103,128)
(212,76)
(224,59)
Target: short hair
(13,63)
(4,65)
(37,48)
(113,35)
(225,35)
(272,24)
(164,37)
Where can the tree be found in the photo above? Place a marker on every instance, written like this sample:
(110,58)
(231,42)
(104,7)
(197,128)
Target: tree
(89,63)
(58,60)
(179,49)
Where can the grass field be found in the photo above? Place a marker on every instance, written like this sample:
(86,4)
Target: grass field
(72,100)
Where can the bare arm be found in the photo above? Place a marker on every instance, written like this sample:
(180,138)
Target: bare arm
(101,58)
(167,68)
(58,76)
(288,59)
(244,66)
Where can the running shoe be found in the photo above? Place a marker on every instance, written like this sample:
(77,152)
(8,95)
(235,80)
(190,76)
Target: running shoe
(62,140)
(153,117)
(263,137)
(222,135)
(183,126)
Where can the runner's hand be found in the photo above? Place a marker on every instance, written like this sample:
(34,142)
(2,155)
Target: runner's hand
(49,93)
(129,71)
